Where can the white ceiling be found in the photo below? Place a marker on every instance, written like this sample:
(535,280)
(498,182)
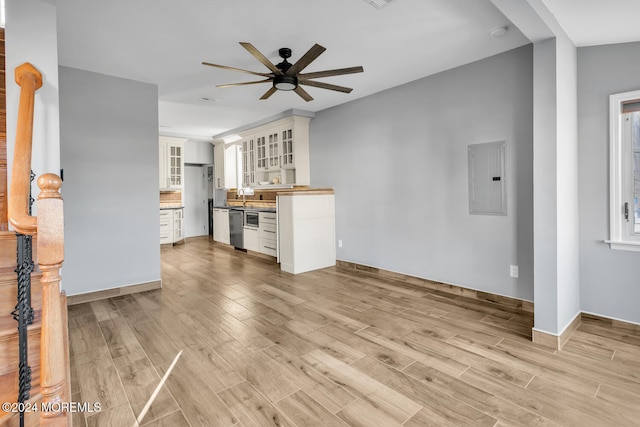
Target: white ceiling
(596,22)
(164,42)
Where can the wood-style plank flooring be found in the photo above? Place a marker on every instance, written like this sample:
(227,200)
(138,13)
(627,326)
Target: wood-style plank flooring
(335,348)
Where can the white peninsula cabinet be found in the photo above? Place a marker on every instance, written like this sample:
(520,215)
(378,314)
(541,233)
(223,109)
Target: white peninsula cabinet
(306,230)
(171,163)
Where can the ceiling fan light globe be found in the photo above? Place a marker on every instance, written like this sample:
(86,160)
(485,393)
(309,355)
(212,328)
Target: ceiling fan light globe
(285,82)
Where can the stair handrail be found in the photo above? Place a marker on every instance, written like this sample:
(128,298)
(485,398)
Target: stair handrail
(29,79)
(49,228)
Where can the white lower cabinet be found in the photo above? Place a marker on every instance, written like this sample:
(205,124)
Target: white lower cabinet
(268,233)
(251,239)
(221,226)
(166,226)
(170,226)
(177,225)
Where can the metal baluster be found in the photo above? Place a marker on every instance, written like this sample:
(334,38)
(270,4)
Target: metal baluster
(23,313)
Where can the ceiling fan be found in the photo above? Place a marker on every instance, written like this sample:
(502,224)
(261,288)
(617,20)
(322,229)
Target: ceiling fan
(287,76)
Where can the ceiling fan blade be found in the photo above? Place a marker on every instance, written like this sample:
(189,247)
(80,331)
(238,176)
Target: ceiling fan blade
(303,94)
(245,83)
(224,67)
(329,73)
(315,51)
(260,57)
(268,93)
(325,86)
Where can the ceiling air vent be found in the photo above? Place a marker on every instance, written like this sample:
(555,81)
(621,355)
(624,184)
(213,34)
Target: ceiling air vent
(378,4)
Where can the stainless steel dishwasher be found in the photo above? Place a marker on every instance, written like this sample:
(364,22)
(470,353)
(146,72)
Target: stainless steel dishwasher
(236,230)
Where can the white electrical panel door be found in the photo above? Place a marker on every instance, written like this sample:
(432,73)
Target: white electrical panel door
(487,182)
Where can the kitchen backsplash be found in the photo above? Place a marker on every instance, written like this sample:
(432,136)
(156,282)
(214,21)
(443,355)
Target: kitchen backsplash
(170,198)
(263,198)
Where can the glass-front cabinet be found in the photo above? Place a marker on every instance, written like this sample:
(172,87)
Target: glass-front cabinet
(287,148)
(175,165)
(276,153)
(248,162)
(171,166)
(274,156)
(261,153)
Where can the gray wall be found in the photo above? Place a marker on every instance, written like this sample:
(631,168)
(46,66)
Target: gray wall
(109,153)
(31,36)
(398,163)
(610,279)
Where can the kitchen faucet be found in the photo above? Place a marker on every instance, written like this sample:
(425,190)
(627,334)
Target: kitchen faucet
(244,191)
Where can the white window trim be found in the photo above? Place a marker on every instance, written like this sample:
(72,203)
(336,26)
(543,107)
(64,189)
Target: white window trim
(619,236)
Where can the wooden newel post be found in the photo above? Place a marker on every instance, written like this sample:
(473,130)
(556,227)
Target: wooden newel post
(53,351)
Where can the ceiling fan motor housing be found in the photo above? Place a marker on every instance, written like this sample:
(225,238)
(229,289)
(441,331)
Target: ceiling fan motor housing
(285,82)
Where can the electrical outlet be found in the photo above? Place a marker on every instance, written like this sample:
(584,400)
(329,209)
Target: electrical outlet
(514,271)
(339,243)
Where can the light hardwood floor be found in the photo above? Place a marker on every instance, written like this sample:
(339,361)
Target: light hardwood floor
(335,348)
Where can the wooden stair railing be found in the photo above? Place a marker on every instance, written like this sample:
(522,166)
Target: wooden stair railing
(29,80)
(49,227)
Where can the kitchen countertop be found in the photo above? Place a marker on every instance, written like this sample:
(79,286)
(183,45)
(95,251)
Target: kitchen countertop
(309,192)
(240,208)
(171,207)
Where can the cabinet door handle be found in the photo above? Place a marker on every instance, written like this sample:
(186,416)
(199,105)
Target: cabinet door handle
(269,231)
(626,211)
(269,247)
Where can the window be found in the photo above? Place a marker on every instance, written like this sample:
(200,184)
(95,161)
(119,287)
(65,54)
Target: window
(624,193)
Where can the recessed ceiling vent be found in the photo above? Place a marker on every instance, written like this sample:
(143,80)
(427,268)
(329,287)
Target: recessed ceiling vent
(378,4)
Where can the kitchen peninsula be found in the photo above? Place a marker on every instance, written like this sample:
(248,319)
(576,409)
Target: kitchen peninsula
(294,225)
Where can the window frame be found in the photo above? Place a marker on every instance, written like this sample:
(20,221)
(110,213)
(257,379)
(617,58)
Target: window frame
(620,236)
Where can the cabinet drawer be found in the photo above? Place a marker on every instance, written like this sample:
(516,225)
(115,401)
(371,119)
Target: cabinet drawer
(166,214)
(267,226)
(268,234)
(165,239)
(267,217)
(268,247)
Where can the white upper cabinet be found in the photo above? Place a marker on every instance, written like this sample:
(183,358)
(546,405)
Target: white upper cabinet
(287,149)
(261,153)
(171,163)
(277,153)
(274,152)
(248,162)
(227,165)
